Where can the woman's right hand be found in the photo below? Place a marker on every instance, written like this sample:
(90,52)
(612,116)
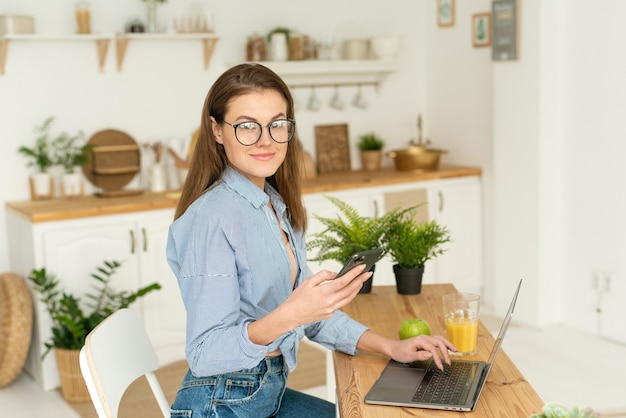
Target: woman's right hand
(319,296)
(316,299)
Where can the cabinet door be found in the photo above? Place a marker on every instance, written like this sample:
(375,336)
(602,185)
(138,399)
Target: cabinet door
(75,250)
(163,311)
(72,251)
(456,204)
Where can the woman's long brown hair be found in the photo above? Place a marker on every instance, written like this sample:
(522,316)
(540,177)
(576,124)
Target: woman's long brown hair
(209,160)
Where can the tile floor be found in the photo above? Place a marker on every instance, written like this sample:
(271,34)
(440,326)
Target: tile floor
(573,368)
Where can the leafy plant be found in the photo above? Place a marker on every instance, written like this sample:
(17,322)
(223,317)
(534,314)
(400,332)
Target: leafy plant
(279,29)
(371,142)
(347,234)
(554,410)
(411,243)
(39,154)
(67,151)
(70,322)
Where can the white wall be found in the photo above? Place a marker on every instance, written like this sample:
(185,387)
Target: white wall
(160,91)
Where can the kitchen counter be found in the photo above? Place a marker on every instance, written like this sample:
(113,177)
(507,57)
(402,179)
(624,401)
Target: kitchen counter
(86,206)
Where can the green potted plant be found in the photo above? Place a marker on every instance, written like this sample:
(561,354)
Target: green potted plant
(70,151)
(347,234)
(73,320)
(411,243)
(371,146)
(41,182)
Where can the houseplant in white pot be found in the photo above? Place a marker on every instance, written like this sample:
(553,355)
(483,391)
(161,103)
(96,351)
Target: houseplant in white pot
(70,152)
(73,319)
(41,182)
(346,235)
(411,243)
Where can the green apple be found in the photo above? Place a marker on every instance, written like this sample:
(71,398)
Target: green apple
(413,327)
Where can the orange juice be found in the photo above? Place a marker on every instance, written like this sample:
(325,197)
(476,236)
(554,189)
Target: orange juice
(463,333)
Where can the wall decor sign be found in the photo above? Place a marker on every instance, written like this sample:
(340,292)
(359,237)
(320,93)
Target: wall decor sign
(481,29)
(504,14)
(445,13)
(332,148)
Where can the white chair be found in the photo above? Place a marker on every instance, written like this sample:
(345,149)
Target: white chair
(115,354)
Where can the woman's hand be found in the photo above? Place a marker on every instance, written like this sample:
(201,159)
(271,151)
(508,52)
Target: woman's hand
(316,299)
(319,296)
(422,347)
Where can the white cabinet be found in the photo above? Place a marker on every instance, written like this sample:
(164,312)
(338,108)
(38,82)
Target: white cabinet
(454,203)
(73,249)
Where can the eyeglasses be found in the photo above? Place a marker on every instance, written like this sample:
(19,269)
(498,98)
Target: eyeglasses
(249,133)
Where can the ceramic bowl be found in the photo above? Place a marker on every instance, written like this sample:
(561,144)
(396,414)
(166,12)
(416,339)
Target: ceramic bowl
(385,47)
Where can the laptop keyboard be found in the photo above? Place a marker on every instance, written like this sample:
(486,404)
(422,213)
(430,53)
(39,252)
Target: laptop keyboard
(444,387)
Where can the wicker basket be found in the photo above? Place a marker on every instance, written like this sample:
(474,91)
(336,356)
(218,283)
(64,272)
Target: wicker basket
(16,322)
(73,385)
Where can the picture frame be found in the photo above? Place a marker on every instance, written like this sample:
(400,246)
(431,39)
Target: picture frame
(481,30)
(505,41)
(445,13)
(332,148)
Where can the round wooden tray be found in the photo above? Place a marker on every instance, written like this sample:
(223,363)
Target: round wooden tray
(113,162)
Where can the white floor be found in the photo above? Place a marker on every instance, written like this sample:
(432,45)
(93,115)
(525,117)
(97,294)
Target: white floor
(565,366)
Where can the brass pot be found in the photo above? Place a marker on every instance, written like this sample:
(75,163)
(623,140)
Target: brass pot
(416,158)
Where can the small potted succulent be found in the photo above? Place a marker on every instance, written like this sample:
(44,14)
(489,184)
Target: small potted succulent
(371,146)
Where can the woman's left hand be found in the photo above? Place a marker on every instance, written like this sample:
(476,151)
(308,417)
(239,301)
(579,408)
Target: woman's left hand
(422,347)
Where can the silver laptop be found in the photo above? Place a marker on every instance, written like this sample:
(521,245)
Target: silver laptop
(422,385)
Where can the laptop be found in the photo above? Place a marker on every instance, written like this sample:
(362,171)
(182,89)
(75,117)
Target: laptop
(422,385)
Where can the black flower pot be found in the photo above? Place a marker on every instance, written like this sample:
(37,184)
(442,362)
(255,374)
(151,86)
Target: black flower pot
(367,286)
(408,281)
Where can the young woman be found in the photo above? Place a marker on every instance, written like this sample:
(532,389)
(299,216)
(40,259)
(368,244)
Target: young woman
(238,250)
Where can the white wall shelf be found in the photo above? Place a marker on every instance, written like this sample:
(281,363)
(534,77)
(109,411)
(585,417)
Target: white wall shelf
(331,73)
(209,41)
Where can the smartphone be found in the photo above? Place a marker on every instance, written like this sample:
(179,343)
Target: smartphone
(369,258)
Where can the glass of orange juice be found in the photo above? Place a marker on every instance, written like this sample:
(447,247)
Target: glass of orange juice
(460,311)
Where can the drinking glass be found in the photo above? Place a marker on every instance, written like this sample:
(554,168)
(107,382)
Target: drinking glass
(460,311)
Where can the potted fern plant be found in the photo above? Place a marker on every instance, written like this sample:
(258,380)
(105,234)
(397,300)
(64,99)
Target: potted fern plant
(371,146)
(347,234)
(411,243)
(71,322)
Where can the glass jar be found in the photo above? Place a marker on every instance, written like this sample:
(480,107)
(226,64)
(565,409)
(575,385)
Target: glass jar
(256,49)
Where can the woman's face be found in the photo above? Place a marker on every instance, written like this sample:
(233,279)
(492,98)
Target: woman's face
(262,159)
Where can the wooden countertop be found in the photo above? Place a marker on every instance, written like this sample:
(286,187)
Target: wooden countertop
(86,206)
(506,394)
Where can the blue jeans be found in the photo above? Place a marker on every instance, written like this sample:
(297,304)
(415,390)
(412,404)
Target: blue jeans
(257,392)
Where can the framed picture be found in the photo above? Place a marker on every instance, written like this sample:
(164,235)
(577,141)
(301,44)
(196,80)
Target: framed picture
(445,13)
(504,14)
(332,148)
(481,29)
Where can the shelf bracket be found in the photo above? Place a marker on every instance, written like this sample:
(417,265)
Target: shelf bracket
(4,47)
(121,43)
(209,47)
(103,47)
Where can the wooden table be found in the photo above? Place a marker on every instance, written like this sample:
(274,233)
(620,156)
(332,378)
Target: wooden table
(506,393)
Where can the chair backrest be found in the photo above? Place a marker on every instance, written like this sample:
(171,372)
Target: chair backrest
(115,354)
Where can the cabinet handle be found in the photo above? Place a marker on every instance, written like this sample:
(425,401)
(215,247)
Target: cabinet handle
(440,201)
(132,241)
(375,208)
(145,239)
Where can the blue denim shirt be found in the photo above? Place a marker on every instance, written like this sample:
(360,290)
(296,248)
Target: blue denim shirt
(233,268)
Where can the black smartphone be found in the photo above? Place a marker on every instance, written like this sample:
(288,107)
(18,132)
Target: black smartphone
(369,258)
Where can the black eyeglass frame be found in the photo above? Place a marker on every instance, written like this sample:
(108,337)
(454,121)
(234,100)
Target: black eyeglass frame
(269,129)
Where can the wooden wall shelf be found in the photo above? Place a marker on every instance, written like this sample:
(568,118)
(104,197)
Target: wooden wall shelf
(102,41)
